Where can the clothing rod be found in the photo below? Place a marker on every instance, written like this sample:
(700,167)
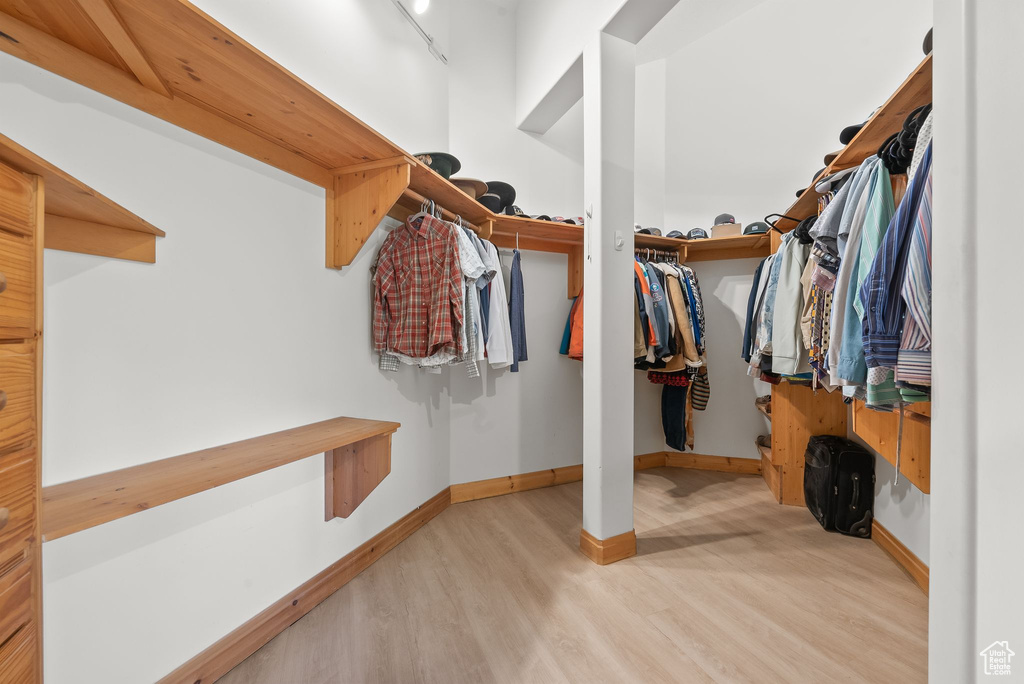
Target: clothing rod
(445,214)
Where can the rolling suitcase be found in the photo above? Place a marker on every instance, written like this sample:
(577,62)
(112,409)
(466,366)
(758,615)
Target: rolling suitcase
(839,484)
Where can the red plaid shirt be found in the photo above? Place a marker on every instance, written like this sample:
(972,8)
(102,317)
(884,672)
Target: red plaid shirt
(417,293)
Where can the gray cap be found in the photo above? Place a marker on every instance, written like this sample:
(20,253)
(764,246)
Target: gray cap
(724,218)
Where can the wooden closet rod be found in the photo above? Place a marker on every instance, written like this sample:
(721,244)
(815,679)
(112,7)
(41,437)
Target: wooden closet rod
(445,214)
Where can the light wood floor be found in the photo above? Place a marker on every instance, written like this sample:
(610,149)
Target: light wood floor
(728,586)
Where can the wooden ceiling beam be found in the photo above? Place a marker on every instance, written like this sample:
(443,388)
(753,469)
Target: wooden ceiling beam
(109,23)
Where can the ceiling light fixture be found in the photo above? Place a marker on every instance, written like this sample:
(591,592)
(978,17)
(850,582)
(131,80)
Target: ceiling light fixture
(420,7)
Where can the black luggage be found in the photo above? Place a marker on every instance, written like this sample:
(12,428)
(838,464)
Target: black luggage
(839,484)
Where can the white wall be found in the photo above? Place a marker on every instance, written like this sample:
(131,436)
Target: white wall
(550,35)
(747,123)
(359,53)
(512,423)
(238,330)
(976,596)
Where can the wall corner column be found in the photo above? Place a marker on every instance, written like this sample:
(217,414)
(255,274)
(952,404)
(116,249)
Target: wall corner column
(609,85)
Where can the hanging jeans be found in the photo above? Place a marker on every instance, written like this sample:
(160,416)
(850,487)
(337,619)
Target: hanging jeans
(673,416)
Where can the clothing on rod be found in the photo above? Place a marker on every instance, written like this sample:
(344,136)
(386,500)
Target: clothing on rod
(437,301)
(853,309)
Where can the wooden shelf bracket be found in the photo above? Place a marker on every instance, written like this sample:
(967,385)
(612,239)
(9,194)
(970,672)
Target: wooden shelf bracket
(358,201)
(353,471)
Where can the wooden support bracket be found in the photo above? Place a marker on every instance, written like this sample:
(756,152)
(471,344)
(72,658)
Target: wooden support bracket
(110,24)
(353,471)
(486,229)
(575,269)
(356,204)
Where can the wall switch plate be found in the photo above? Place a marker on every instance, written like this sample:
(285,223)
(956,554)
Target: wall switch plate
(619,241)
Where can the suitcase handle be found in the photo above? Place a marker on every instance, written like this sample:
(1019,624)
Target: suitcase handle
(856,491)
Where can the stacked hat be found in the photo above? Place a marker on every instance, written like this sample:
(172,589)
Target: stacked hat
(499,196)
(442,162)
(756,228)
(697,234)
(471,186)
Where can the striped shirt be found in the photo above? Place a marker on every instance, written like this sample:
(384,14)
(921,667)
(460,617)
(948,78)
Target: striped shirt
(882,289)
(914,362)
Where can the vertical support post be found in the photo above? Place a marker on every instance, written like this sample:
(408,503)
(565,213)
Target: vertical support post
(574,268)
(609,82)
(976,597)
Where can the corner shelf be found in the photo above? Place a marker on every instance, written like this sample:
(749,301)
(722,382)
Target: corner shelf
(79,219)
(358,457)
(733,247)
(915,91)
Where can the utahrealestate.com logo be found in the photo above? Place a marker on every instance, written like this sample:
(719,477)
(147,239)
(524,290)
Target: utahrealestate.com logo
(997,658)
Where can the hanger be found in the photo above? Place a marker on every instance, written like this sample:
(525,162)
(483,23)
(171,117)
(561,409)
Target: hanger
(424,206)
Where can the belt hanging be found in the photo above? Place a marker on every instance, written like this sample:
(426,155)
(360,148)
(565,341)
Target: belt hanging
(899,444)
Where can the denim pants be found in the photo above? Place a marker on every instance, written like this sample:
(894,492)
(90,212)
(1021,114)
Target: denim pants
(673,416)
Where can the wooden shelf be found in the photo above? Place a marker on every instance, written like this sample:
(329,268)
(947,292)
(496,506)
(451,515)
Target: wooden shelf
(880,431)
(915,91)
(79,219)
(763,410)
(643,240)
(764,451)
(78,505)
(736,247)
(549,236)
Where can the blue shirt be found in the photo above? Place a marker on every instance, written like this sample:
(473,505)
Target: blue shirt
(881,291)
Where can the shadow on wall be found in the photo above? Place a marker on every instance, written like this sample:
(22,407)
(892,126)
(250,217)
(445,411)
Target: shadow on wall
(418,387)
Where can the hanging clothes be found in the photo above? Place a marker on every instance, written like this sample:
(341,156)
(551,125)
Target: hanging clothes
(499,327)
(472,269)
(751,304)
(417,305)
(516,312)
(855,305)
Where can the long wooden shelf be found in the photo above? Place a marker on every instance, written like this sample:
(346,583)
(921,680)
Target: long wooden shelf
(735,247)
(915,91)
(78,505)
(79,219)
